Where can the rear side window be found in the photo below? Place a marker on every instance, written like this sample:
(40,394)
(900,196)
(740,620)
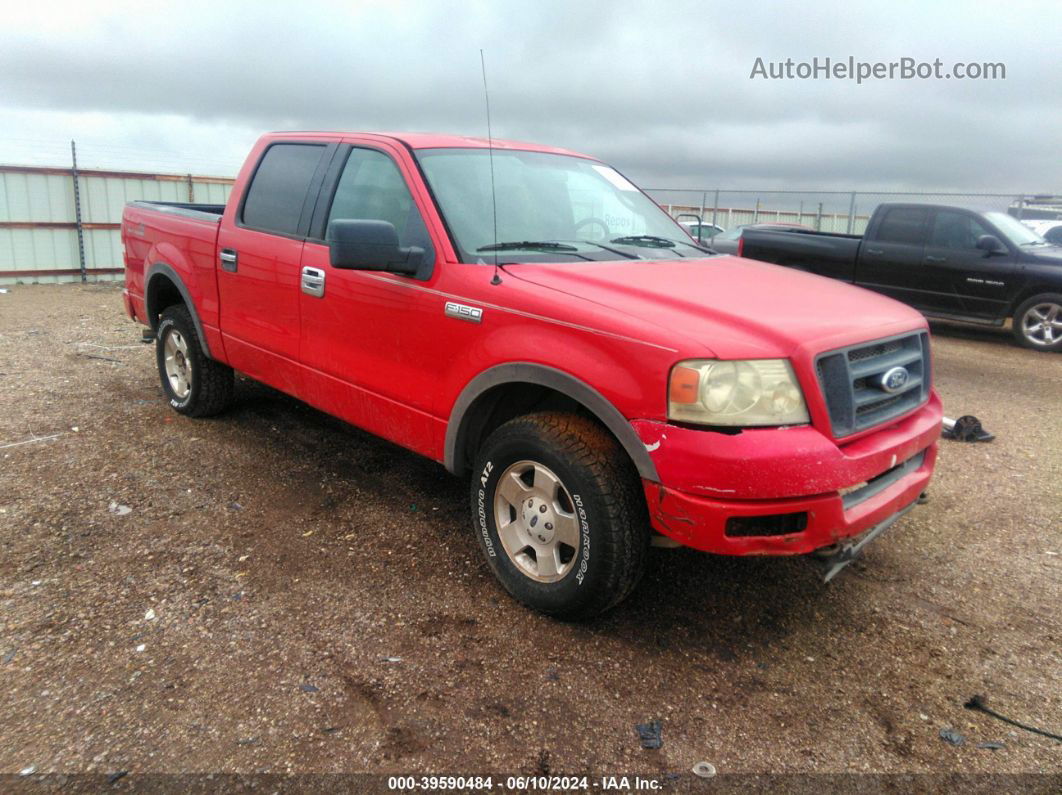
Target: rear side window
(278,190)
(903,225)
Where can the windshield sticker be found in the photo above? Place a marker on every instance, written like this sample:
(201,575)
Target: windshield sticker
(615,178)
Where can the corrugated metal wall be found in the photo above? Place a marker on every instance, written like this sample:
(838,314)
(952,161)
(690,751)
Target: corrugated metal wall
(38,223)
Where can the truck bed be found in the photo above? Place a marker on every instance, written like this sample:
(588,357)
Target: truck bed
(202,212)
(181,234)
(825,253)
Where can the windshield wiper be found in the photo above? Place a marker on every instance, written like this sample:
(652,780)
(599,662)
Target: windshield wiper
(647,241)
(528,245)
(610,250)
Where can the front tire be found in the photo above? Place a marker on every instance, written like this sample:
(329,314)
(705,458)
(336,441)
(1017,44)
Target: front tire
(1037,323)
(560,514)
(195,385)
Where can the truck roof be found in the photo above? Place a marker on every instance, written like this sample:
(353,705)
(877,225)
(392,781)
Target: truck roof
(425,140)
(972,207)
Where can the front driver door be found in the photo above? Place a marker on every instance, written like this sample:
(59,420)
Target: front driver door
(979,281)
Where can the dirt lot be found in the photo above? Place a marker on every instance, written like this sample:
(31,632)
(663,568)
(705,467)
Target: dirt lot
(289,594)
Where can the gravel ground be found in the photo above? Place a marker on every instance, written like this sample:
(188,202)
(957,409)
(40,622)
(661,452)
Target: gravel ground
(286,593)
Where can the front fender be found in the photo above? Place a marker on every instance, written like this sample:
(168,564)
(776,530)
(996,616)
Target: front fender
(552,378)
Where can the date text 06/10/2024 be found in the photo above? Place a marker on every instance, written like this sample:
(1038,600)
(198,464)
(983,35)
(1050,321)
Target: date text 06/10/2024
(523,783)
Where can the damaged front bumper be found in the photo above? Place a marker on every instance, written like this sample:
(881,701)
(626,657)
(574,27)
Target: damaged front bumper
(737,494)
(834,559)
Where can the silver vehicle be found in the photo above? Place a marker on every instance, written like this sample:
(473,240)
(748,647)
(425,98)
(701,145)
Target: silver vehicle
(729,241)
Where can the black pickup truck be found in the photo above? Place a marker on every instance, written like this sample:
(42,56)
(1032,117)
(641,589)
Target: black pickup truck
(949,262)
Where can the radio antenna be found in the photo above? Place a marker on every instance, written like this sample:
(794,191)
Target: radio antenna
(490,152)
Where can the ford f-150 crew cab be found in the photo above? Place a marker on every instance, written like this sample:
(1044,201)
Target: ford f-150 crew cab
(950,262)
(530,319)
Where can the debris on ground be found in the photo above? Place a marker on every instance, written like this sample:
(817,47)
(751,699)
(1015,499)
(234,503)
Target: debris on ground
(990,746)
(978,703)
(117,776)
(118,509)
(651,734)
(391,659)
(150,614)
(966,429)
(97,356)
(306,687)
(949,735)
(552,674)
(28,771)
(31,440)
(703,770)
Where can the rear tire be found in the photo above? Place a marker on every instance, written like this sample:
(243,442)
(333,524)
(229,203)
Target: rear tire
(1037,322)
(195,385)
(574,528)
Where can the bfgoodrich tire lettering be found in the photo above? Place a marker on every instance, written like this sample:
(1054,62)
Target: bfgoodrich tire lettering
(596,514)
(194,384)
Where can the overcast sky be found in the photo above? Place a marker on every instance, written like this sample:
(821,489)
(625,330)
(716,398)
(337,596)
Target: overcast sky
(661,91)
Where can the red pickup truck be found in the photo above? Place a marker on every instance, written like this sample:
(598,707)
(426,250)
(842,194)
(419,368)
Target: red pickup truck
(530,319)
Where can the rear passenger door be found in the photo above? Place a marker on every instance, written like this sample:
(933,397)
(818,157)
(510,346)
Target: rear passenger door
(259,250)
(891,259)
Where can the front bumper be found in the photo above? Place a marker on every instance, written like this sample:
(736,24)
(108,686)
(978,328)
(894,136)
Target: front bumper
(792,482)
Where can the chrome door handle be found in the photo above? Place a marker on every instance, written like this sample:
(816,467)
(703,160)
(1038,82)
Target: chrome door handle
(875,251)
(936,259)
(228,259)
(313,282)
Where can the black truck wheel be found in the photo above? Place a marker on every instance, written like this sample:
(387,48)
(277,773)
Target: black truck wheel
(1038,322)
(560,514)
(194,384)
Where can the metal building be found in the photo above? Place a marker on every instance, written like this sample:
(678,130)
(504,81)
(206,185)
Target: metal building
(39,218)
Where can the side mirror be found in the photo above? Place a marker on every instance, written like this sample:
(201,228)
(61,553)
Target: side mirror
(990,244)
(370,246)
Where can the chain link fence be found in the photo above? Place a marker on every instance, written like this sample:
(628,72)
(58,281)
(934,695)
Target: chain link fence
(830,211)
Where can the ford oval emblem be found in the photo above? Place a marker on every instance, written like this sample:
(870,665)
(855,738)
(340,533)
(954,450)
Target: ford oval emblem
(894,379)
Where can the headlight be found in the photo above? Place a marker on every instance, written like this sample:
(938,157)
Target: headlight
(742,393)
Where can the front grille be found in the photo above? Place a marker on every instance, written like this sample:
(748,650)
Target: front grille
(851,380)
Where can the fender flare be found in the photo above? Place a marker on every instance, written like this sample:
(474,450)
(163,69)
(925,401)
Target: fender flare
(568,385)
(162,269)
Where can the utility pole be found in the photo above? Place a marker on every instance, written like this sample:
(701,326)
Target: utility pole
(77,214)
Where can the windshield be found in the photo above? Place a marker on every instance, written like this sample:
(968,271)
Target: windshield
(543,200)
(1017,232)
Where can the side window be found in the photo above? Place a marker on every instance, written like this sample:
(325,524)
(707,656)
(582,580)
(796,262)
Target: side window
(903,225)
(278,189)
(955,230)
(372,188)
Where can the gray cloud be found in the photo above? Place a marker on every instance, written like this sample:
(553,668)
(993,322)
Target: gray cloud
(663,92)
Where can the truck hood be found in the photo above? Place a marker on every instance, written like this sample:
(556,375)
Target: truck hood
(735,307)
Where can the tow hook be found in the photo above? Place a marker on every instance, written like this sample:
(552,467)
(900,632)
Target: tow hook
(832,559)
